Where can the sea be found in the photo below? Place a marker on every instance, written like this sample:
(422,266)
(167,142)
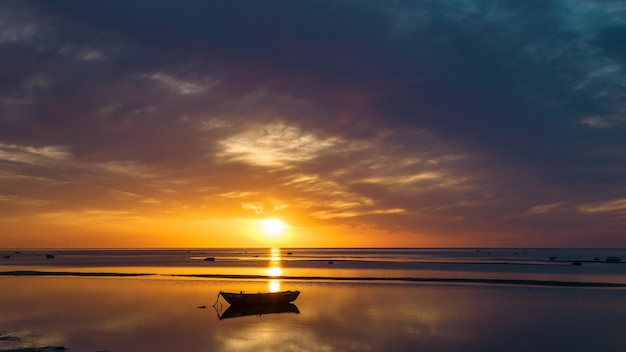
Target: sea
(503,266)
(351,299)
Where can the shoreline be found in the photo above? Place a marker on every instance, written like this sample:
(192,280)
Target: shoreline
(524,282)
(36,349)
(16,339)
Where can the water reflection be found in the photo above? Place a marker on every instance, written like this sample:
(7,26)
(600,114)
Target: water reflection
(258,310)
(139,314)
(274,270)
(274,285)
(275,255)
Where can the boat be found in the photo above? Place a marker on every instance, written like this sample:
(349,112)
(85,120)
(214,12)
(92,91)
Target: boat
(243,310)
(260,298)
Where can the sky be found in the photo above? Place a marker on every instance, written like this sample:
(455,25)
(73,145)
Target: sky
(449,123)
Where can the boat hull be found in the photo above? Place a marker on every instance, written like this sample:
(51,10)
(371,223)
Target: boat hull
(260,298)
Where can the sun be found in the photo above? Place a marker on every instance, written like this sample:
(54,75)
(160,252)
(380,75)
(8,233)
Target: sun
(273,227)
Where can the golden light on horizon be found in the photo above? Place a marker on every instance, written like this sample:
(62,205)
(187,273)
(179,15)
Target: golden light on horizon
(275,255)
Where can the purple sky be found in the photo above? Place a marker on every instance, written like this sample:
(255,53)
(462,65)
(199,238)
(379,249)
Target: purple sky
(452,123)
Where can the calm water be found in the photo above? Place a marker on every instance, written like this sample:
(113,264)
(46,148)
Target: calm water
(306,264)
(351,300)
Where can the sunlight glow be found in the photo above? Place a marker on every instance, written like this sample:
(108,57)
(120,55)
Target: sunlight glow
(274,285)
(273,226)
(274,271)
(275,255)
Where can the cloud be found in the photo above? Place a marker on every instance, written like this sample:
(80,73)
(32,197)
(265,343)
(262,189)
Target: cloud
(597,122)
(32,155)
(258,209)
(546,208)
(180,86)
(274,145)
(616,205)
(17,26)
(441,117)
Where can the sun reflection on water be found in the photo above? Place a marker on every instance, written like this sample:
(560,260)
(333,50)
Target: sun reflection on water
(275,254)
(274,270)
(274,285)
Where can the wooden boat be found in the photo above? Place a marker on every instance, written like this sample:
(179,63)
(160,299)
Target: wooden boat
(260,298)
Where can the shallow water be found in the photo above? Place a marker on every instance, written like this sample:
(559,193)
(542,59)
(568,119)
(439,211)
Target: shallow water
(351,300)
(501,264)
(148,314)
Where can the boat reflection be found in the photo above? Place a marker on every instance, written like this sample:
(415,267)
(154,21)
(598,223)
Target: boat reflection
(236,311)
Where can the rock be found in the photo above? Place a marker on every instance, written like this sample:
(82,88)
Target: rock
(49,256)
(209,259)
(577,263)
(552,258)
(613,259)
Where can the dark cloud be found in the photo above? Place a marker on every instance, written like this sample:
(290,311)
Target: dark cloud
(471,117)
